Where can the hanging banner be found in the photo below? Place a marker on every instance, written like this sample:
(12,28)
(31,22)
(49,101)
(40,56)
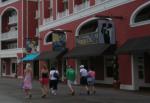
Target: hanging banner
(59,41)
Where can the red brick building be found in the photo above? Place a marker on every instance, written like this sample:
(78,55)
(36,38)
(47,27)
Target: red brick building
(100,34)
(84,22)
(18,25)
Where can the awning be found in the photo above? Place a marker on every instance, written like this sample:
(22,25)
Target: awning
(49,55)
(31,57)
(135,45)
(87,51)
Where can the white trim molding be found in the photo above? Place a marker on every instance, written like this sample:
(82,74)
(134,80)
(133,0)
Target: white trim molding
(7,3)
(132,23)
(83,23)
(84,13)
(45,37)
(10,53)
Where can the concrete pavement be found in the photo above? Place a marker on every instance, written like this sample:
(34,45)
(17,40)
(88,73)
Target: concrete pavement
(10,92)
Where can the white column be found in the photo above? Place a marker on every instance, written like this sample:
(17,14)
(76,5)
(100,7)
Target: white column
(0,30)
(134,73)
(0,68)
(0,43)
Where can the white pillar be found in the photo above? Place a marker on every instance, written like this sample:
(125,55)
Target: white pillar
(0,43)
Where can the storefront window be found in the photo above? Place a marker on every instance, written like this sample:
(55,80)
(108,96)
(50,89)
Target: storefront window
(109,66)
(13,67)
(140,66)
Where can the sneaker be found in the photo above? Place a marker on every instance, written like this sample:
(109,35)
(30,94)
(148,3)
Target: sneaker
(88,92)
(43,96)
(73,93)
(30,96)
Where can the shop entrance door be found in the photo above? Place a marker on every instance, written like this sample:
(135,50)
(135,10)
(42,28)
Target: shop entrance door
(138,71)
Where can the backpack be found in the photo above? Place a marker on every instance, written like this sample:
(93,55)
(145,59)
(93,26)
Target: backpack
(56,75)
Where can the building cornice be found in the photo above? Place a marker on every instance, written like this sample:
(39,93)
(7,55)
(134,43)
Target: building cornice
(84,13)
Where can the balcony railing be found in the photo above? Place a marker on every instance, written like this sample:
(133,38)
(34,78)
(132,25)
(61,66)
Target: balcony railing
(13,19)
(101,1)
(82,6)
(63,14)
(88,38)
(46,20)
(9,35)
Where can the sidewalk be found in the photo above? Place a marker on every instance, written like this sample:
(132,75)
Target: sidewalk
(10,88)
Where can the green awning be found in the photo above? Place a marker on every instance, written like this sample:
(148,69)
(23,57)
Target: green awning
(134,45)
(31,57)
(87,51)
(51,55)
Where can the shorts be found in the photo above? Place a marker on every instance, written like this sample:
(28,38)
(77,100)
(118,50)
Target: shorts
(83,81)
(90,81)
(53,84)
(70,83)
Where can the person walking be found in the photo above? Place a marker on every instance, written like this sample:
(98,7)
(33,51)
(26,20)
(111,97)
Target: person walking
(70,75)
(44,81)
(54,78)
(91,81)
(27,81)
(83,78)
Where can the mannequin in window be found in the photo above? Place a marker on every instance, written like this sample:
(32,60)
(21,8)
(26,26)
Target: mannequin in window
(109,29)
(105,33)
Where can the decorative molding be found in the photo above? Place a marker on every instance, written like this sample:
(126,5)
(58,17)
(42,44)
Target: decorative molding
(84,13)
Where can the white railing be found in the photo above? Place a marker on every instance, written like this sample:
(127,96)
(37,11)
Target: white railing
(13,19)
(100,1)
(37,32)
(9,35)
(37,15)
(47,20)
(63,14)
(82,6)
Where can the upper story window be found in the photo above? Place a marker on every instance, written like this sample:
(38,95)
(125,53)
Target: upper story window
(62,8)
(48,38)
(141,16)
(57,39)
(48,11)
(89,27)
(80,5)
(96,31)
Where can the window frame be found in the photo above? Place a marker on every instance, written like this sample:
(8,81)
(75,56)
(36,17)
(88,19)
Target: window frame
(134,14)
(45,38)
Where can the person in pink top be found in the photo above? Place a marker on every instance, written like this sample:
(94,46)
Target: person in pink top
(27,81)
(91,80)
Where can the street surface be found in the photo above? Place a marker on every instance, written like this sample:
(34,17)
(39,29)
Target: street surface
(11,92)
